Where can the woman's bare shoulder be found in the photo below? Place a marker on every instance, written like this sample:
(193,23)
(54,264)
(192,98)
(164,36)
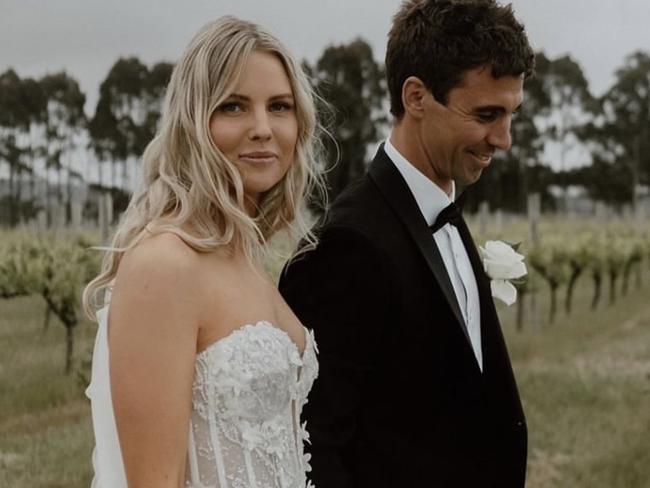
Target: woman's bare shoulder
(166,249)
(163,264)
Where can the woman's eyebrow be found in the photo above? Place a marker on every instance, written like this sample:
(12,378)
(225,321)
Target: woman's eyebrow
(282,96)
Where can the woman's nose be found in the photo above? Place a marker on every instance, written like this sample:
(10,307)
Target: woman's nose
(261,127)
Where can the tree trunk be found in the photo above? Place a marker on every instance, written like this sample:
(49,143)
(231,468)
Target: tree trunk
(520,310)
(48,317)
(553,308)
(113,174)
(69,343)
(68,200)
(598,280)
(32,188)
(627,274)
(575,274)
(59,192)
(12,199)
(100,173)
(48,200)
(613,278)
(125,176)
(19,194)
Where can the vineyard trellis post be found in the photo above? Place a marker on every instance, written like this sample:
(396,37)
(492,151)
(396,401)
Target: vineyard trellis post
(59,219)
(41,220)
(76,215)
(533,208)
(105,216)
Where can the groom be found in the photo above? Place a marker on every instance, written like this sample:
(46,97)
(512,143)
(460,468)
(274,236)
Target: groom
(415,386)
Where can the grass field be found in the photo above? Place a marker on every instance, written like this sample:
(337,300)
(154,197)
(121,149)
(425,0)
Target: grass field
(585,383)
(45,434)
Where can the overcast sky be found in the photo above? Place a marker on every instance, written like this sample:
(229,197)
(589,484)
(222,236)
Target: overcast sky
(85,37)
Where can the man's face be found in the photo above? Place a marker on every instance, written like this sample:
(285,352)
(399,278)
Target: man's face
(460,137)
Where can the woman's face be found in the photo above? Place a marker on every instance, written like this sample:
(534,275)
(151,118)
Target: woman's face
(256,126)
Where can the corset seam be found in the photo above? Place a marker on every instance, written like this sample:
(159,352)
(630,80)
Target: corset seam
(249,469)
(194,465)
(214,437)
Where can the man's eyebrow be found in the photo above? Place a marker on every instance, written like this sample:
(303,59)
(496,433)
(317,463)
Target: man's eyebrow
(495,108)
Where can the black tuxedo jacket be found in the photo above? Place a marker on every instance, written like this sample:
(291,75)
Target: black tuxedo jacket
(400,400)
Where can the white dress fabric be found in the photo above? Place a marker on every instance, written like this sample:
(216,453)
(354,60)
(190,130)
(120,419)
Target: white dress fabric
(248,392)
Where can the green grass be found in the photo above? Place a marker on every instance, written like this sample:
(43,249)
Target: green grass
(584,381)
(585,384)
(45,430)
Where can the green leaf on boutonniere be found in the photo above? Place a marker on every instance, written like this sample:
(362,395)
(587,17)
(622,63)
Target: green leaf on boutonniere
(514,245)
(520,281)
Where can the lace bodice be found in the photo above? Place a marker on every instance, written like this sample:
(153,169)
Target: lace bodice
(249,389)
(248,392)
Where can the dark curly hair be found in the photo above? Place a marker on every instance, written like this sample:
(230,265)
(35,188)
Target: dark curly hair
(438,40)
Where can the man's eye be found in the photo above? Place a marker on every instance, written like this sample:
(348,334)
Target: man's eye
(486,116)
(230,107)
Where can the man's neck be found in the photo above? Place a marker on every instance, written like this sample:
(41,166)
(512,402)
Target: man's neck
(405,138)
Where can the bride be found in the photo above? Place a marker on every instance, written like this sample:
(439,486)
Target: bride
(200,369)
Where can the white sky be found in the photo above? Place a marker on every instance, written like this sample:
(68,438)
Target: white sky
(85,37)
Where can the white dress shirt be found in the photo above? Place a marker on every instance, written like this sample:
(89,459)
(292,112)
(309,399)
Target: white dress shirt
(431,199)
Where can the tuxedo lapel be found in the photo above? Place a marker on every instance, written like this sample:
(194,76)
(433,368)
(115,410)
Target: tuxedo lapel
(490,329)
(398,196)
(482,280)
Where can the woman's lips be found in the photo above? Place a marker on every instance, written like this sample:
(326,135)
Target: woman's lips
(258,157)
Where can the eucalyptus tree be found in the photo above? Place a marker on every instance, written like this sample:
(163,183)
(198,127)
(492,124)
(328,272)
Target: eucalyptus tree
(626,108)
(21,105)
(352,82)
(35,102)
(153,96)
(619,138)
(126,117)
(64,125)
(113,127)
(572,104)
(11,118)
(12,154)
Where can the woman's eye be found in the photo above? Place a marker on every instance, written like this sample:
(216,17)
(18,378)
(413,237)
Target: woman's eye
(281,107)
(230,107)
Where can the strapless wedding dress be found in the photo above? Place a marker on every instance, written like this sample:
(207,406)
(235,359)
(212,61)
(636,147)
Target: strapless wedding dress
(245,432)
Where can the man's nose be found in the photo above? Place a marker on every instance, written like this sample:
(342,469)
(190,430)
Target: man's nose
(499,135)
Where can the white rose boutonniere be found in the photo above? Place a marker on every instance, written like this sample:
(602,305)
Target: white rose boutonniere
(503,264)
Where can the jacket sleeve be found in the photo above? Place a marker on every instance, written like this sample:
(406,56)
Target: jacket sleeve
(340,290)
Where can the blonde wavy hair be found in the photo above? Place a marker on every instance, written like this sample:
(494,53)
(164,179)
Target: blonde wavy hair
(188,186)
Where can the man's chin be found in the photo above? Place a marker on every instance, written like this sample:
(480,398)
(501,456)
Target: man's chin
(469,179)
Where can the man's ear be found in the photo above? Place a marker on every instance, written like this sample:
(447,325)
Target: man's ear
(414,93)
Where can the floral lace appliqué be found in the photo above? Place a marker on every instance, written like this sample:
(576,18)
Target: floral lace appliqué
(248,392)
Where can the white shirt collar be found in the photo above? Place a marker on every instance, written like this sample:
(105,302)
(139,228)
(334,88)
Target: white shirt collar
(431,199)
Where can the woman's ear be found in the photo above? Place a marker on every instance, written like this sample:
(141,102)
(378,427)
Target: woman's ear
(413,96)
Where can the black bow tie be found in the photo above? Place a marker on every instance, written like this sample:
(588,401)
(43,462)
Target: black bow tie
(451,214)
